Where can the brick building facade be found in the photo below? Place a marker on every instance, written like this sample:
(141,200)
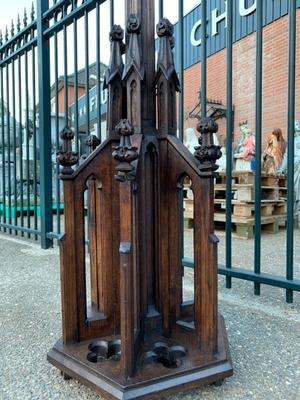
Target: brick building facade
(275,80)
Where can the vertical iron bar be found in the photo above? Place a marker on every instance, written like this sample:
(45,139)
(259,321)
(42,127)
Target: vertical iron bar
(21,142)
(66,94)
(27,141)
(14,143)
(34,138)
(181,115)
(8,144)
(229,131)
(87,71)
(258,140)
(99,83)
(161,9)
(181,70)
(290,150)
(45,123)
(203,59)
(112,12)
(76,124)
(3,151)
(57,169)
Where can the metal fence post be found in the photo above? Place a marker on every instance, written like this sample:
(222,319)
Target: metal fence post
(44,126)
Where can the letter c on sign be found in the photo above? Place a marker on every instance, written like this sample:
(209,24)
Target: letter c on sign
(194,41)
(246,11)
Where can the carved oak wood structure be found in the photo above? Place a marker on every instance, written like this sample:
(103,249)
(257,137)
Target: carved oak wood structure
(138,338)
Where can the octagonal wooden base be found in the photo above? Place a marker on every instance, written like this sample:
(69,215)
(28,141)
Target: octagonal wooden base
(151,380)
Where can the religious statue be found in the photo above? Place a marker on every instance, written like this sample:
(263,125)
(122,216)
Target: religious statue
(274,152)
(283,167)
(222,161)
(192,140)
(245,150)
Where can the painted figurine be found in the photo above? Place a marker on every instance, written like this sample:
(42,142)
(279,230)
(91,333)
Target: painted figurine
(274,152)
(283,167)
(245,150)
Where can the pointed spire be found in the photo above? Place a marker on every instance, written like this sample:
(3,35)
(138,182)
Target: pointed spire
(113,80)
(1,38)
(32,14)
(133,60)
(6,34)
(165,61)
(116,65)
(18,23)
(166,80)
(25,18)
(12,29)
(134,73)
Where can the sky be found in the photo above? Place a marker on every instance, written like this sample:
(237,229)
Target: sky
(10,10)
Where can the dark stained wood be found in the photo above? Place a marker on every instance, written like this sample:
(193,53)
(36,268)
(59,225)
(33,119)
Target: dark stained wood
(134,73)
(114,83)
(138,339)
(144,10)
(166,80)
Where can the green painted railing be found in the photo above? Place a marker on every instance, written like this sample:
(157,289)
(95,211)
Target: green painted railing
(37,70)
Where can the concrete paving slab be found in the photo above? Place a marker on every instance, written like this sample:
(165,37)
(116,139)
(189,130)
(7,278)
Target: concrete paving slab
(264,333)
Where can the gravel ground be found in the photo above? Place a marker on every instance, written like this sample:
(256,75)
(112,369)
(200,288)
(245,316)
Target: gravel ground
(264,332)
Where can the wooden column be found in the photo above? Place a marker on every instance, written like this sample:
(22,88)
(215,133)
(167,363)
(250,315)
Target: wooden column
(68,253)
(125,153)
(126,280)
(206,316)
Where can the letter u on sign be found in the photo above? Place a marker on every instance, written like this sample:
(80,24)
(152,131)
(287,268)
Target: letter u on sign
(244,11)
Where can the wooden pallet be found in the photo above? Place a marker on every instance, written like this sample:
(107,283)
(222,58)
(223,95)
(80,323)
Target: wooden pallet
(248,178)
(246,192)
(244,227)
(244,209)
(241,226)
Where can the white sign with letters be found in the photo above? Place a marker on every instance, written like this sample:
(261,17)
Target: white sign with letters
(217,17)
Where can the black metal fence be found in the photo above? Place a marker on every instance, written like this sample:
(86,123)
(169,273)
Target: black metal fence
(51,75)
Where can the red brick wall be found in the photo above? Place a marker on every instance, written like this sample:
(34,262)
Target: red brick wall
(71,97)
(275,80)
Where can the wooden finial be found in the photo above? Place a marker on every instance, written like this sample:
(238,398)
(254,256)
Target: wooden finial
(207,153)
(92,143)
(125,153)
(66,157)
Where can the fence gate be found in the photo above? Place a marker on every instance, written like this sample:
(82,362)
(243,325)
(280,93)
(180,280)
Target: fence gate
(52,65)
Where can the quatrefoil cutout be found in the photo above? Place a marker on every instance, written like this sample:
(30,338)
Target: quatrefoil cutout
(168,356)
(102,350)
